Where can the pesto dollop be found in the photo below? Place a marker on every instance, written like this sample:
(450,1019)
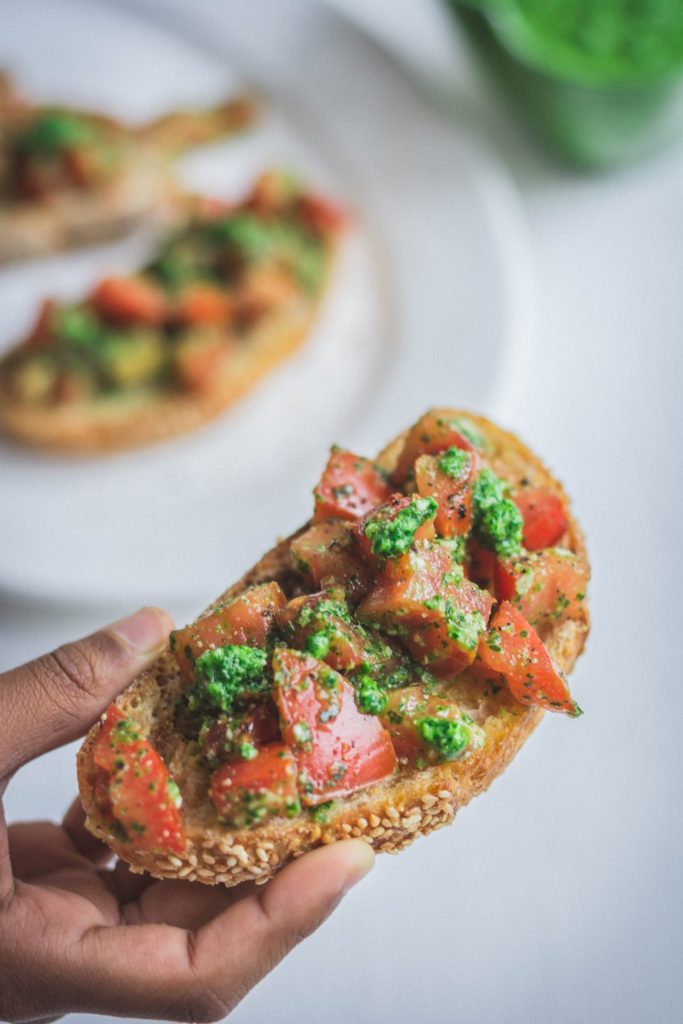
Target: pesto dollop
(463,627)
(497,521)
(453,462)
(54,131)
(449,739)
(225,674)
(392,535)
(370,697)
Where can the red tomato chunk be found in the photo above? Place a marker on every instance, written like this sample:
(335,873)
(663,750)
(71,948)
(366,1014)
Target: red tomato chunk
(326,552)
(432,433)
(515,654)
(257,726)
(546,586)
(406,708)
(545,519)
(129,300)
(248,791)
(143,798)
(424,599)
(321,216)
(316,623)
(452,491)
(337,749)
(248,619)
(349,488)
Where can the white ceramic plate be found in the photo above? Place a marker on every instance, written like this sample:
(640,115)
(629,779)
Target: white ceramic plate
(422,309)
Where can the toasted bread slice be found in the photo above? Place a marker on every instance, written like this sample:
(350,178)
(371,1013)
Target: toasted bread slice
(141,187)
(388,815)
(101,418)
(87,428)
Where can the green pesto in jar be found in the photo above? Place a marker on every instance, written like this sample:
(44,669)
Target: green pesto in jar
(618,41)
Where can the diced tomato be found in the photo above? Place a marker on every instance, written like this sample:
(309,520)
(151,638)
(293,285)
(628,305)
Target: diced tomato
(349,488)
(201,304)
(199,358)
(380,518)
(246,792)
(319,623)
(247,619)
(437,613)
(545,519)
(41,332)
(545,586)
(337,749)
(433,433)
(515,653)
(405,708)
(327,553)
(453,493)
(320,215)
(129,300)
(258,726)
(143,798)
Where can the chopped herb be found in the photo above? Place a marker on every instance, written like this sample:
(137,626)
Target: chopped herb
(497,521)
(453,462)
(449,739)
(391,535)
(322,812)
(370,697)
(225,674)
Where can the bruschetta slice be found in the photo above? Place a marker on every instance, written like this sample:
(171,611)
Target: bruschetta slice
(72,177)
(227,296)
(367,678)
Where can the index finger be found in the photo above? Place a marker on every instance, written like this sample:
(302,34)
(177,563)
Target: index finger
(176,974)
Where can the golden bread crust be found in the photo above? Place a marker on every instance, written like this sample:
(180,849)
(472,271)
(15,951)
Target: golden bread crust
(388,816)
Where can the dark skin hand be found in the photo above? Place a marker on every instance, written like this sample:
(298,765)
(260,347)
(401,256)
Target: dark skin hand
(78,934)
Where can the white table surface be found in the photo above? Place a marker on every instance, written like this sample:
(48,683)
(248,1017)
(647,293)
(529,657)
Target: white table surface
(561,887)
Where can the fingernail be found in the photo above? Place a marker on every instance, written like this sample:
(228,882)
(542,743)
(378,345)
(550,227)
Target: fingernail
(361,862)
(146,631)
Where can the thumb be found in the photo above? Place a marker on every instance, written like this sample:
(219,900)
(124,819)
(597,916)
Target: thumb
(55,699)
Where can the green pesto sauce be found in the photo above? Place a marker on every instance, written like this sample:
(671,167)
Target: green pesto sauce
(173,792)
(606,39)
(453,462)
(256,240)
(225,674)
(497,522)
(463,627)
(323,811)
(370,697)
(125,732)
(448,739)
(391,538)
(54,131)
(470,433)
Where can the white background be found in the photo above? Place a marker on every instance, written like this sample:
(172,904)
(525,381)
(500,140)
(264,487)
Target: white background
(557,896)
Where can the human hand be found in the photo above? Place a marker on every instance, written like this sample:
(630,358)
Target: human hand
(78,935)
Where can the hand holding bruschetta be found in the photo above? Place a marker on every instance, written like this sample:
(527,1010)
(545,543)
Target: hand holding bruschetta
(76,935)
